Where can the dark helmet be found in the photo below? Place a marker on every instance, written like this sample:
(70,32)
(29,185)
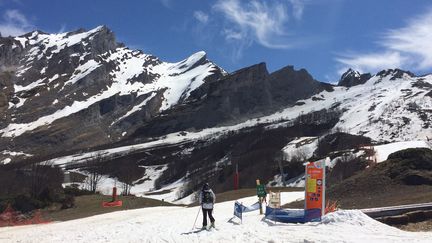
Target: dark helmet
(206,186)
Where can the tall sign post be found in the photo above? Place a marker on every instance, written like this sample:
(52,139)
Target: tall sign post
(315,190)
(261,193)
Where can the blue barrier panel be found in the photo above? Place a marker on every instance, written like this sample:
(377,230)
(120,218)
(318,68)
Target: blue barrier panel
(238,210)
(285,216)
(251,208)
(313,215)
(293,215)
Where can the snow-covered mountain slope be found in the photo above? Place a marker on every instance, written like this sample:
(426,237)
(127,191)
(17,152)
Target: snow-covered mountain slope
(173,224)
(81,89)
(385,108)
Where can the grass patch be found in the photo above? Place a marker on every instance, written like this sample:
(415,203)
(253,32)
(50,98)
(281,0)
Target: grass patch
(90,205)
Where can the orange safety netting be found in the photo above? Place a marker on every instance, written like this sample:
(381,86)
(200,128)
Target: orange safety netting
(331,207)
(10,217)
(112,204)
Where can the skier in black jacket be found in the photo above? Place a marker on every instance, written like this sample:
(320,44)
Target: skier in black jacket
(207,199)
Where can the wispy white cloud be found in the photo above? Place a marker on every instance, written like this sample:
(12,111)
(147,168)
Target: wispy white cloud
(14,23)
(243,23)
(408,47)
(260,21)
(297,6)
(372,62)
(201,16)
(62,28)
(414,39)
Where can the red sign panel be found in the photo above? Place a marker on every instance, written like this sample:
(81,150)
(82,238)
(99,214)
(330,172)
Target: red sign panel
(315,185)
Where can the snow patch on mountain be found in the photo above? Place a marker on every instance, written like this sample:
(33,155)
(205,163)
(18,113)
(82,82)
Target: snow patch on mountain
(58,42)
(81,71)
(39,82)
(383,151)
(302,147)
(12,154)
(135,108)
(180,79)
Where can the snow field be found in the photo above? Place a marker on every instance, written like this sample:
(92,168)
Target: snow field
(174,224)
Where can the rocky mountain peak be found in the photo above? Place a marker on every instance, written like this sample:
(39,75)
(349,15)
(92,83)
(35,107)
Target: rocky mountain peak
(352,78)
(395,73)
(350,73)
(292,75)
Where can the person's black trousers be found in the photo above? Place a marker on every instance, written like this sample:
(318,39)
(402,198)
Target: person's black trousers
(209,212)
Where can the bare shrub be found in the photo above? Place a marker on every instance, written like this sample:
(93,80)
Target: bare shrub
(346,166)
(94,176)
(294,167)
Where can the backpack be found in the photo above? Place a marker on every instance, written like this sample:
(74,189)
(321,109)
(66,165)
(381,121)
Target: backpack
(207,197)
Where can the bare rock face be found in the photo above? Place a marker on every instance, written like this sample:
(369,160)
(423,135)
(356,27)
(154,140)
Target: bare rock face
(289,85)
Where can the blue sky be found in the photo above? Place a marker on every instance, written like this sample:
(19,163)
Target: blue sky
(323,36)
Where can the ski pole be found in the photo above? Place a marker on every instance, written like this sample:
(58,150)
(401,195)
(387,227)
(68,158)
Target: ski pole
(199,209)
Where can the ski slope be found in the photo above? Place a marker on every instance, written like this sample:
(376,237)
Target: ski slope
(173,224)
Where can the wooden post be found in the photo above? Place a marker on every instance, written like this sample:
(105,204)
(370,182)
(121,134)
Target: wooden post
(114,194)
(241,220)
(259,198)
(236,178)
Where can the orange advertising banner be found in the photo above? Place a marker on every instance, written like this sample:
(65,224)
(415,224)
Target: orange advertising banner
(315,185)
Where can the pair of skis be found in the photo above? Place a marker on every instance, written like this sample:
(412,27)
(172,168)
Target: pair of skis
(198,230)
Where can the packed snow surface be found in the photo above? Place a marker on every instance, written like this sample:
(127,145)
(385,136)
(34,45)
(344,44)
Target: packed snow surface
(174,224)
